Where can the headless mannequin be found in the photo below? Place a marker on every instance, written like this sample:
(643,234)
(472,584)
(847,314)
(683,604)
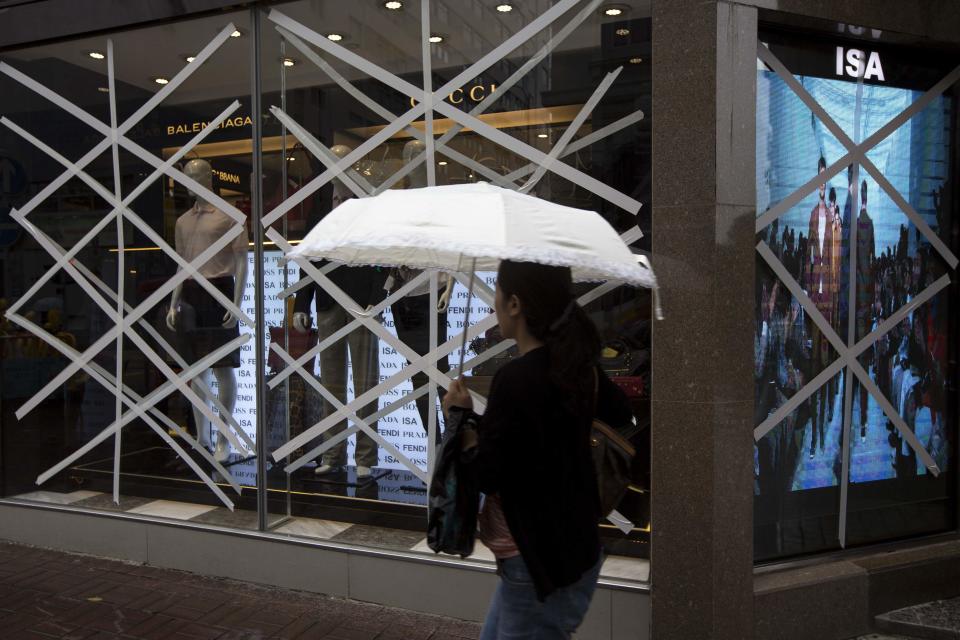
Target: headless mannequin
(196,229)
(411,315)
(361,284)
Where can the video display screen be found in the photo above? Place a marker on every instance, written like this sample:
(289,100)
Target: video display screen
(894,264)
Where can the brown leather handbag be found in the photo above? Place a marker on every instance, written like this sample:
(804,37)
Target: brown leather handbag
(612,456)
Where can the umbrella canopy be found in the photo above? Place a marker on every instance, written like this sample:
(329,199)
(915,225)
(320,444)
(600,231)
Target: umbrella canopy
(472,227)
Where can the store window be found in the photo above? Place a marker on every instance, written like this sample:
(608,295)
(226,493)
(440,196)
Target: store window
(343,101)
(856,430)
(552,97)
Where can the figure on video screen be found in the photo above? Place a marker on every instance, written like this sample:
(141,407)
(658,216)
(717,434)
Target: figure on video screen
(821,283)
(202,324)
(364,285)
(411,314)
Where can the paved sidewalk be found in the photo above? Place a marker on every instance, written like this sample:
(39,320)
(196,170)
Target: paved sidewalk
(49,594)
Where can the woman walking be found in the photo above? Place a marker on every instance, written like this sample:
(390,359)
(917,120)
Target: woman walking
(534,461)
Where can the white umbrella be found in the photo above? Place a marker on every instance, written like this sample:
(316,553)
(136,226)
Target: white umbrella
(472,227)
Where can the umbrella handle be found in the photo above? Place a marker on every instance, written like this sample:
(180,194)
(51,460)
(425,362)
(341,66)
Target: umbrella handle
(466,318)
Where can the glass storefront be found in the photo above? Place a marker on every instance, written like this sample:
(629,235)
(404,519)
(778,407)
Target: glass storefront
(856,346)
(158,355)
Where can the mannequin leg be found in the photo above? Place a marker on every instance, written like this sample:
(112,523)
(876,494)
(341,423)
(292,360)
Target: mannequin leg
(412,320)
(364,356)
(227,394)
(333,375)
(200,420)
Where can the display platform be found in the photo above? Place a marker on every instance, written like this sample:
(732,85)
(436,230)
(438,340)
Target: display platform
(388,498)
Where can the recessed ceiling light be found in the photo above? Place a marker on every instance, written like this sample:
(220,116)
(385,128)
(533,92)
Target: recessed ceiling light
(436,38)
(161,80)
(288,62)
(236,33)
(504,8)
(542,135)
(103,90)
(622,32)
(393,5)
(190,58)
(636,60)
(442,163)
(334,37)
(290,158)
(96,55)
(614,10)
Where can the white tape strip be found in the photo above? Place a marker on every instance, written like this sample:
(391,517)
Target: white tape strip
(369,396)
(846,355)
(179,78)
(341,298)
(145,228)
(859,152)
(314,351)
(96,229)
(128,124)
(294,27)
(572,129)
(121,268)
(168,349)
(366,147)
(150,400)
(574,175)
(428,98)
(346,414)
(523,149)
(104,378)
(397,404)
(620,521)
(147,351)
(585,141)
(91,352)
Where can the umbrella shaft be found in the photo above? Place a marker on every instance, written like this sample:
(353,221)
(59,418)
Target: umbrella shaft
(466,317)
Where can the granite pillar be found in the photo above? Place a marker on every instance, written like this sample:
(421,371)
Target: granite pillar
(703,207)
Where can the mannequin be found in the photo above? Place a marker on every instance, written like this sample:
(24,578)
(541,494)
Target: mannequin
(411,314)
(202,323)
(365,286)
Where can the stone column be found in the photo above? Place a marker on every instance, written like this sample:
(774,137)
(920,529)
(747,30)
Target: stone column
(704,83)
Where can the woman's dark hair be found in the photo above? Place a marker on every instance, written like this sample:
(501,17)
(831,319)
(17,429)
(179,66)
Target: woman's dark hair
(554,317)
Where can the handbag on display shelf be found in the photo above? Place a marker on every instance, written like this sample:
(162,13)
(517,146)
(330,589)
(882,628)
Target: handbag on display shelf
(612,458)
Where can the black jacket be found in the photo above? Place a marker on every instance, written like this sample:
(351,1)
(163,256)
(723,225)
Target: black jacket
(363,284)
(536,455)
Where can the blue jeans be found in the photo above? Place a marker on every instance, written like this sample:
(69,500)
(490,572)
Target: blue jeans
(515,612)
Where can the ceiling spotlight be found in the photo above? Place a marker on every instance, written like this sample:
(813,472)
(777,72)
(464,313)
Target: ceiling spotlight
(236,33)
(436,38)
(161,80)
(103,90)
(442,163)
(290,158)
(190,58)
(614,10)
(504,8)
(636,60)
(96,55)
(288,62)
(622,32)
(334,37)
(542,135)
(393,5)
